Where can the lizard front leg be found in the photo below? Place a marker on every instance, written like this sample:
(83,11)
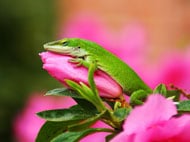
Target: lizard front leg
(85,61)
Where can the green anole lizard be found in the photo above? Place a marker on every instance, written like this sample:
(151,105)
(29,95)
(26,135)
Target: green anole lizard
(86,53)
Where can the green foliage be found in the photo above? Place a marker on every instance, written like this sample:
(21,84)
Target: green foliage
(83,115)
(86,123)
(75,136)
(85,104)
(174,93)
(74,113)
(52,129)
(88,94)
(121,113)
(184,106)
(138,97)
(64,92)
(160,89)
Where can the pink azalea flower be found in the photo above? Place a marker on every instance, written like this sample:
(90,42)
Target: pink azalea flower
(59,67)
(155,122)
(27,124)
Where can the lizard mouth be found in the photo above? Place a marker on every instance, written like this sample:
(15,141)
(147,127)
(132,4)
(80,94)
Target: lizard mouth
(60,48)
(57,47)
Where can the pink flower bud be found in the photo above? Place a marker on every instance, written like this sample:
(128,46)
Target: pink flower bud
(60,68)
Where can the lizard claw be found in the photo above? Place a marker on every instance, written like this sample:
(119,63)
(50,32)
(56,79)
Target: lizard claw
(79,62)
(76,61)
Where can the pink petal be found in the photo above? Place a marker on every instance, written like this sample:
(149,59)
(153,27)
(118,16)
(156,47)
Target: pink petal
(59,67)
(175,130)
(183,126)
(155,110)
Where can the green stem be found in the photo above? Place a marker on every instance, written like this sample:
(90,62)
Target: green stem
(109,119)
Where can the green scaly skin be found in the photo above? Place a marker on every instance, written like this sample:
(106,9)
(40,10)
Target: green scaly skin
(86,52)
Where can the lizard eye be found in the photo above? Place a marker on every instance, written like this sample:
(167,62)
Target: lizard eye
(65,43)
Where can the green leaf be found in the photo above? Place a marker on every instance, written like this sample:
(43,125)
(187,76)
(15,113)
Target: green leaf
(52,129)
(184,106)
(174,93)
(93,97)
(160,89)
(71,93)
(74,113)
(86,123)
(84,93)
(86,105)
(64,92)
(111,136)
(138,97)
(121,113)
(87,93)
(76,136)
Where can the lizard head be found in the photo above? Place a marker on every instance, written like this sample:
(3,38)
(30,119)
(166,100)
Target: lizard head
(67,46)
